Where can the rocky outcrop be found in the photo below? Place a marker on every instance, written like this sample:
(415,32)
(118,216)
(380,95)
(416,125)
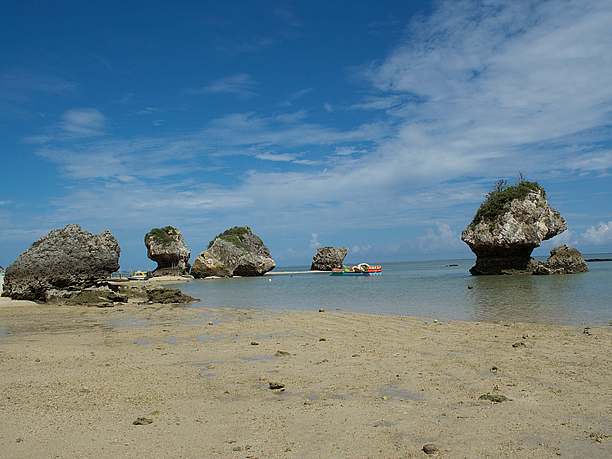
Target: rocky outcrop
(235,252)
(328,258)
(508,226)
(65,259)
(167,247)
(562,260)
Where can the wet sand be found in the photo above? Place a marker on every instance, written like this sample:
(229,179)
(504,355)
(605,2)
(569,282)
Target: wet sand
(74,379)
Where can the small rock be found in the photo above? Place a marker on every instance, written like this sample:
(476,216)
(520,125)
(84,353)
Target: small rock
(495,398)
(322,339)
(210,323)
(355,355)
(321,310)
(19,440)
(276,385)
(430,448)
(142,421)
(493,369)
(598,436)
(237,448)
(282,354)
(519,344)
(37,360)
(470,287)
(587,330)
(254,343)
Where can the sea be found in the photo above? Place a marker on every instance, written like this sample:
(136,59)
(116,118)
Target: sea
(442,290)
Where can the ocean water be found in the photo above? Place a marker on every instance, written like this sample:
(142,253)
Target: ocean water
(430,289)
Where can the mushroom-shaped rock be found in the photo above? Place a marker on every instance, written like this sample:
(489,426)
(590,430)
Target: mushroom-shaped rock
(328,258)
(236,252)
(65,259)
(167,247)
(562,260)
(509,224)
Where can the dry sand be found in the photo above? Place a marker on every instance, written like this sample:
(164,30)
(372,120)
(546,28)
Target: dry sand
(74,379)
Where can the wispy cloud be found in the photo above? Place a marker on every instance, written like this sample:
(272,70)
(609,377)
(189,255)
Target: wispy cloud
(277,157)
(241,84)
(599,234)
(293,97)
(83,122)
(287,158)
(19,89)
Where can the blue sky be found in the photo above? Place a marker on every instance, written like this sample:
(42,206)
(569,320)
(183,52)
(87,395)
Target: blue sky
(377,126)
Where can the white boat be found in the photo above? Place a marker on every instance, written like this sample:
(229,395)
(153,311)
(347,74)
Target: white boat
(139,275)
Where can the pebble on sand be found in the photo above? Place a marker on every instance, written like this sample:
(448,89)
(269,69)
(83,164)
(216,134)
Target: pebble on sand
(495,398)
(276,385)
(430,448)
(142,421)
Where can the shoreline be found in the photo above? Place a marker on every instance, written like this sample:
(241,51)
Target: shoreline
(74,380)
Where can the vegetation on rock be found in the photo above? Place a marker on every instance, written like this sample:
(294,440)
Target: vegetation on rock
(163,236)
(234,236)
(498,200)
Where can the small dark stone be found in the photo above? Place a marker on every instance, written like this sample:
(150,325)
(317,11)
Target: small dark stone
(518,344)
(276,385)
(142,421)
(430,448)
(254,343)
(495,398)
(587,330)
(282,354)
(321,310)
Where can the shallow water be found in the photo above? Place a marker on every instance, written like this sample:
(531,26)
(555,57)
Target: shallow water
(430,289)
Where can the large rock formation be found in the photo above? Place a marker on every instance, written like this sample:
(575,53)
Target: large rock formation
(235,252)
(65,259)
(167,247)
(511,223)
(328,258)
(562,260)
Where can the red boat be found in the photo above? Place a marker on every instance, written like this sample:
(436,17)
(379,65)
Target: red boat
(362,269)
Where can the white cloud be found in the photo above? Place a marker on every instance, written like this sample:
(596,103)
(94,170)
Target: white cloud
(287,158)
(279,157)
(591,162)
(295,96)
(241,84)
(83,122)
(439,239)
(314,241)
(360,249)
(292,117)
(600,234)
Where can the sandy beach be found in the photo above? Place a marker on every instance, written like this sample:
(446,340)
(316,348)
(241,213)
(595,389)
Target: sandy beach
(73,380)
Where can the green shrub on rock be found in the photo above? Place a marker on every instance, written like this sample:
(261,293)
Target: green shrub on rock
(499,199)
